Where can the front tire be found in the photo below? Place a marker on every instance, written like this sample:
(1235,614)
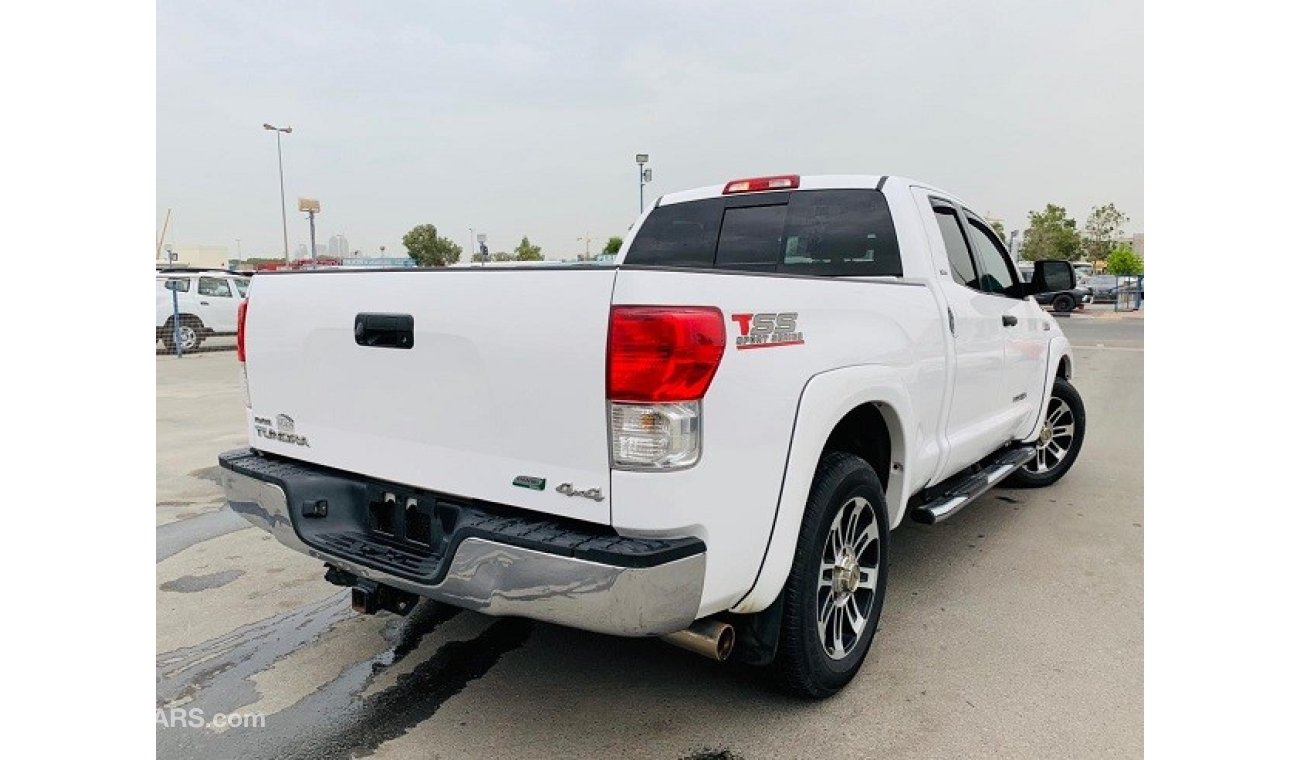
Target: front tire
(1062,304)
(836,587)
(1059,440)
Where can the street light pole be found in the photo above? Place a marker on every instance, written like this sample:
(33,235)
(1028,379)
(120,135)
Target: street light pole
(279,154)
(642,175)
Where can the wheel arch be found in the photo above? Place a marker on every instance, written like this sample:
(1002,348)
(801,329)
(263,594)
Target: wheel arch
(1064,368)
(855,406)
(186,318)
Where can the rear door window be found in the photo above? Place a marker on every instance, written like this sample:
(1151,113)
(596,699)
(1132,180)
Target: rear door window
(829,233)
(960,264)
(213,286)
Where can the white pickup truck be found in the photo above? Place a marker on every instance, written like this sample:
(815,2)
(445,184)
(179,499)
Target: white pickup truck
(709,440)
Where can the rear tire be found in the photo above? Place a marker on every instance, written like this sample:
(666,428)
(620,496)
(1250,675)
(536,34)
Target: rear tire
(191,334)
(836,588)
(1059,440)
(1062,304)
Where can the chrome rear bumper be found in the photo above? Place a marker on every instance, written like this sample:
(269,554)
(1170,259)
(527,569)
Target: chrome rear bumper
(498,578)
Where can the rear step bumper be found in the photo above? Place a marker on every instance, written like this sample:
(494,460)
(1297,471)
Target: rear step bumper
(481,557)
(951,500)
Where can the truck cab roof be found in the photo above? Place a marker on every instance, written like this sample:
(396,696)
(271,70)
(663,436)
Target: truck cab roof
(805,182)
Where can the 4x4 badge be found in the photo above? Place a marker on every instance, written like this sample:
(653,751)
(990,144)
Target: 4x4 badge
(591,493)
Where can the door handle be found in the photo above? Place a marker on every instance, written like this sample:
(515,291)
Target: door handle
(204,303)
(1009,320)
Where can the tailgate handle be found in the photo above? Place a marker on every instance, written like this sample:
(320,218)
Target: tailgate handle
(384,330)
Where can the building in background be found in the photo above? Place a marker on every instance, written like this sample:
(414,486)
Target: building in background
(338,246)
(389,262)
(195,256)
(1138,241)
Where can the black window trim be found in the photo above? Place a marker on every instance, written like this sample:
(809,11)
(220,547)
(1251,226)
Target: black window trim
(935,202)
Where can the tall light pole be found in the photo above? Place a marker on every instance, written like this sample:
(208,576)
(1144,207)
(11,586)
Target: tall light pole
(642,174)
(279,154)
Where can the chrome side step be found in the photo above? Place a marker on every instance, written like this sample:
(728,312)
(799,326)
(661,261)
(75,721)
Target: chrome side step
(950,500)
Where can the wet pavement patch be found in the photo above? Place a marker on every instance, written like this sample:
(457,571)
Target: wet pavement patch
(713,754)
(188,584)
(214,674)
(212,473)
(335,721)
(182,534)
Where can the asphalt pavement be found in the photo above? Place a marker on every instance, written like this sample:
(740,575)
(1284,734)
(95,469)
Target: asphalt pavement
(1014,629)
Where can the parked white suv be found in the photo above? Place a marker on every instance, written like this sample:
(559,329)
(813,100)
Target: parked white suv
(709,440)
(208,304)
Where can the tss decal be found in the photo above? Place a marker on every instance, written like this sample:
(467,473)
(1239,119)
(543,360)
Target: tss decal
(768,330)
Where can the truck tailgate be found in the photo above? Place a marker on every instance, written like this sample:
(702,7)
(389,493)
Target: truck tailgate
(502,387)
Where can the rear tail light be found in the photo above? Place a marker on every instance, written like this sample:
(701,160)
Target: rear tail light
(660,362)
(239,329)
(240,354)
(756,184)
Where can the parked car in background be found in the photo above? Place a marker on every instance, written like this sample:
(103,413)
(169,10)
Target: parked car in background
(207,303)
(1061,301)
(1105,287)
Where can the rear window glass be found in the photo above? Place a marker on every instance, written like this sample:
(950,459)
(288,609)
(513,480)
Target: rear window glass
(751,238)
(680,235)
(812,232)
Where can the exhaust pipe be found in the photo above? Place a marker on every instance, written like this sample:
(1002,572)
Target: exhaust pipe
(712,638)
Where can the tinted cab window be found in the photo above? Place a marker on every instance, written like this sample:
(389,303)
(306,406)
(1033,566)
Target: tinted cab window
(996,275)
(829,233)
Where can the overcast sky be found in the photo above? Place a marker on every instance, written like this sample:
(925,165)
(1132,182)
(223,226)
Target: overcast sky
(523,118)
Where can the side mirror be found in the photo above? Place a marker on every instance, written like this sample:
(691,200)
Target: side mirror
(1052,276)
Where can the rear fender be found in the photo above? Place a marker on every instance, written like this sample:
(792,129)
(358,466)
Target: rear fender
(825,400)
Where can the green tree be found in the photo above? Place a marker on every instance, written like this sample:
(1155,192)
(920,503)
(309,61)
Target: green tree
(1123,261)
(1104,227)
(1052,234)
(503,256)
(1001,230)
(429,250)
(612,245)
(526,251)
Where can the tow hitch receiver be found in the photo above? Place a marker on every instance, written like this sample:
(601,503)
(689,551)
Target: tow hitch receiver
(369,597)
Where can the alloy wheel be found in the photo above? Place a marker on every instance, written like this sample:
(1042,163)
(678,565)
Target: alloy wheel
(1054,439)
(846,585)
